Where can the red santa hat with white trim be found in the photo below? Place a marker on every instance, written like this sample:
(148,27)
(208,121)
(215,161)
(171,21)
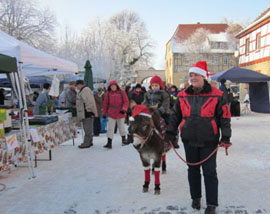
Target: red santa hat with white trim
(140,110)
(199,68)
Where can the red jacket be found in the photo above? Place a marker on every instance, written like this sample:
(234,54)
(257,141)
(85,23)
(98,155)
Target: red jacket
(115,101)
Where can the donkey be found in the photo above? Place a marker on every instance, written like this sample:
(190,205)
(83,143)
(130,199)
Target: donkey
(148,141)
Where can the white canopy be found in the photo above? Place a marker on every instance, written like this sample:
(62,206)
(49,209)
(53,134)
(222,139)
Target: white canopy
(34,61)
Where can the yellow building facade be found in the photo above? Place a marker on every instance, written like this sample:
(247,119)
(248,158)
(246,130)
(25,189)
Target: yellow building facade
(219,58)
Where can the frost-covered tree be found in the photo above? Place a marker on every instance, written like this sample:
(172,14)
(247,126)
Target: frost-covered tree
(196,47)
(130,44)
(24,20)
(116,47)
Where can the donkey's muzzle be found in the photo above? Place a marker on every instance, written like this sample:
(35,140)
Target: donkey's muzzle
(137,143)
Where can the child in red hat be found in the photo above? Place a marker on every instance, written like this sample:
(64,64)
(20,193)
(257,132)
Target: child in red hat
(158,96)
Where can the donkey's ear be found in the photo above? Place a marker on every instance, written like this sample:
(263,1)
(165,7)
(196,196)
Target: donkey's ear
(153,108)
(132,104)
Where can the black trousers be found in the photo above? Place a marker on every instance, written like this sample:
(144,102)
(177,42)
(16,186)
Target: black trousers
(196,154)
(97,126)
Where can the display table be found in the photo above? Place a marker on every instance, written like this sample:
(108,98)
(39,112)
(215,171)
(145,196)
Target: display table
(43,138)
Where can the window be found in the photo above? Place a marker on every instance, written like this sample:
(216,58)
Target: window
(225,60)
(258,41)
(177,60)
(216,60)
(185,61)
(247,46)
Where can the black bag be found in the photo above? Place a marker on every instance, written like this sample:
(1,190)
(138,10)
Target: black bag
(235,108)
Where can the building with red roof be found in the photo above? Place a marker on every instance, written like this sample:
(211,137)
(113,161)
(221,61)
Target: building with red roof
(215,42)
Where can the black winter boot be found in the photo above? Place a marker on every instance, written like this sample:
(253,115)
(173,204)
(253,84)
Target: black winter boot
(164,167)
(196,203)
(124,141)
(109,144)
(130,138)
(210,209)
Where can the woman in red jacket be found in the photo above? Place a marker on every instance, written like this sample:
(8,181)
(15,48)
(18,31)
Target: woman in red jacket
(115,106)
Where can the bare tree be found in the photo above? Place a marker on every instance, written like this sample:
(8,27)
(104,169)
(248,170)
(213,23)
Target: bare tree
(25,21)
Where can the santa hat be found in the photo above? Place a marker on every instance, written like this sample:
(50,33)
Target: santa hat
(156,79)
(140,110)
(199,68)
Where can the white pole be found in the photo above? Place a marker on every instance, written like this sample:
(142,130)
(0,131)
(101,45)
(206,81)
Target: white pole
(25,122)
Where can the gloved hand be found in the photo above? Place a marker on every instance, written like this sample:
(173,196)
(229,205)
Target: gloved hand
(225,145)
(171,138)
(104,116)
(122,112)
(89,114)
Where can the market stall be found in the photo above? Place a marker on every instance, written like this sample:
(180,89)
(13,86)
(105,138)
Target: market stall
(34,62)
(13,143)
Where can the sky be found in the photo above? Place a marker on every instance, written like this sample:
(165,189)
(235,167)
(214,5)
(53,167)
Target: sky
(160,16)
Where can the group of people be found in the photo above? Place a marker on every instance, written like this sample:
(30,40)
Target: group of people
(200,110)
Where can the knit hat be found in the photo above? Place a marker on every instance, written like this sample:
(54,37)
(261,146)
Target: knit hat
(140,110)
(156,79)
(138,85)
(199,68)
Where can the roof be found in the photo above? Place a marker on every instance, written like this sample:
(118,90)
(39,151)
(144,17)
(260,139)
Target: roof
(262,14)
(184,31)
(259,21)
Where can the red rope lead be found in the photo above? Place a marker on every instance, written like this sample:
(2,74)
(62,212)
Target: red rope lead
(198,163)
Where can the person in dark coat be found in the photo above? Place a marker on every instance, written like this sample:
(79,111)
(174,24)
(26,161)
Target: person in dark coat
(2,96)
(223,88)
(204,118)
(173,93)
(70,95)
(138,94)
(158,96)
(98,95)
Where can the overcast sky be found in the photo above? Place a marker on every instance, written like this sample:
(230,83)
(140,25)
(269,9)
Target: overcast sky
(160,16)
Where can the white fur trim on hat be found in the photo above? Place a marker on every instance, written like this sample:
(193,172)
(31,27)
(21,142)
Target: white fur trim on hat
(131,119)
(146,115)
(197,70)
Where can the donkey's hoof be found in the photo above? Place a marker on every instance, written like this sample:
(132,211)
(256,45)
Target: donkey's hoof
(146,186)
(164,171)
(157,191)
(145,189)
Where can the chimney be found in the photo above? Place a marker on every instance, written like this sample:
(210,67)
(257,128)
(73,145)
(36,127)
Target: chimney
(198,23)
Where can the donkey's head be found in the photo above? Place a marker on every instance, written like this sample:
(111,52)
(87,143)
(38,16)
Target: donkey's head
(142,125)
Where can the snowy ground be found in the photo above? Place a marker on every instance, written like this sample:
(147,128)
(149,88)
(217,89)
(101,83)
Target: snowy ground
(99,181)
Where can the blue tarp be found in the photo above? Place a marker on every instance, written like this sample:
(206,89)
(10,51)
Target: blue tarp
(259,97)
(240,75)
(34,80)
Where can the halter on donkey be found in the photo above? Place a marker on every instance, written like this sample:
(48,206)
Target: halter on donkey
(148,141)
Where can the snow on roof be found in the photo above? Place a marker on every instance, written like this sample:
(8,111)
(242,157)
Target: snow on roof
(220,37)
(184,31)
(178,47)
(266,15)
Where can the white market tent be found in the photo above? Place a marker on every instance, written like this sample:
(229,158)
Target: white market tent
(33,61)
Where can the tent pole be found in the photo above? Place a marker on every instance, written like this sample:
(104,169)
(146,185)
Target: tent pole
(25,122)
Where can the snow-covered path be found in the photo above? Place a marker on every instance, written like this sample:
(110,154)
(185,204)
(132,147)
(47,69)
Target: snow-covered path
(97,181)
